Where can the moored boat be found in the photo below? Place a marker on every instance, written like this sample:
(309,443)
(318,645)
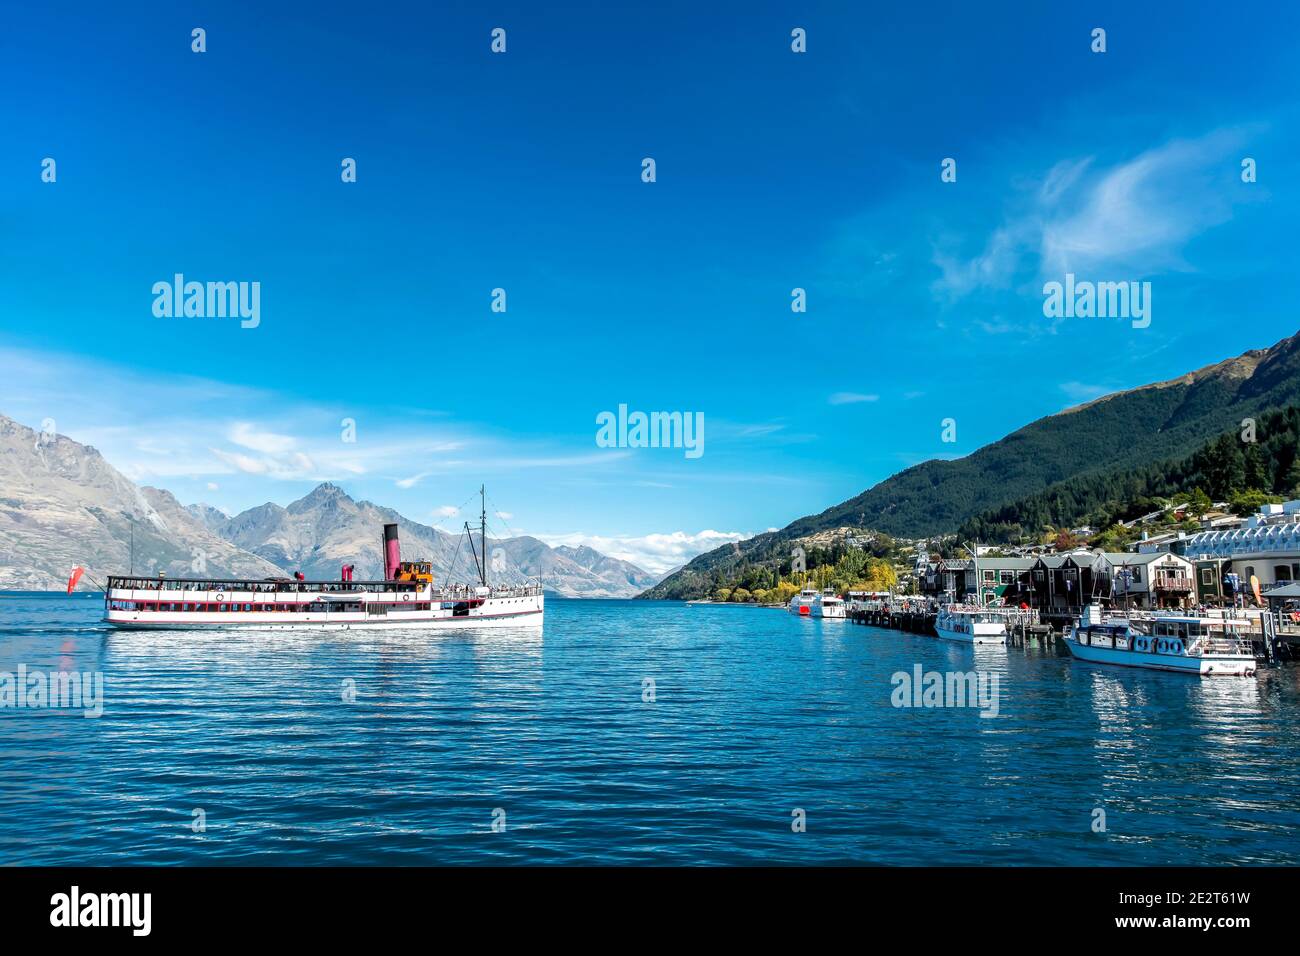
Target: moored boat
(802,603)
(828,604)
(971,624)
(1186,644)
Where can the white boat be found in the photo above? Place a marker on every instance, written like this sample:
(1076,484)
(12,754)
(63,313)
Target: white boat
(802,603)
(971,624)
(408,597)
(1207,646)
(828,604)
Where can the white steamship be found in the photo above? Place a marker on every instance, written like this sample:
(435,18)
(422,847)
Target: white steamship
(407,597)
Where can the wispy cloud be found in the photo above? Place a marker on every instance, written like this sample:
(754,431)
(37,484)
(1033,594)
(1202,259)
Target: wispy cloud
(851,398)
(201,429)
(248,436)
(1135,216)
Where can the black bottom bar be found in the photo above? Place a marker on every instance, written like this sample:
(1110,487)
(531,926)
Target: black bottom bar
(332,906)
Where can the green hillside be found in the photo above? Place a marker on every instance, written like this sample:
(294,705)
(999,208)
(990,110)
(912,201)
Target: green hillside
(1126,430)
(1225,469)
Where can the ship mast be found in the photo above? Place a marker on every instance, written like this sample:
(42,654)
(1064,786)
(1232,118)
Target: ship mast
(480,553)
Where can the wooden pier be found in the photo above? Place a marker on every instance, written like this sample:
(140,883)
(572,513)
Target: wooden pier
(920,620)
(917,622)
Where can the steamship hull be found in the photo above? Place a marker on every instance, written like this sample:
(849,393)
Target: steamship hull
(314,606)
(532,617)
(407,598)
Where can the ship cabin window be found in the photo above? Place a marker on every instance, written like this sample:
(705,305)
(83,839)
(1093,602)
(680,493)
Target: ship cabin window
(1281,573)
(1183,630)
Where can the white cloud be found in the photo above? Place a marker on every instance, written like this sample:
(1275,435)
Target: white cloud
(446,511)
(241,462)
(202,428)
(1132,218)
(1143,210)
(851,398)
(246,435)
(213,486)
(294,465)
(656,553)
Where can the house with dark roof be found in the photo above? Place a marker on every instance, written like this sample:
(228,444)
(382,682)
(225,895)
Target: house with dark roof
(1000,580)
(1148,581)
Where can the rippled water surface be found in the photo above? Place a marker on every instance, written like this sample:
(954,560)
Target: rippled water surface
(755,715)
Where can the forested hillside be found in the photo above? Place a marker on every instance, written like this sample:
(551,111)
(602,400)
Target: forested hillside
(1127,432)
(1226,469)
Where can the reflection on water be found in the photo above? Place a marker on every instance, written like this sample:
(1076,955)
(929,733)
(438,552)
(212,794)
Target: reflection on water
(395,747)
(986,657)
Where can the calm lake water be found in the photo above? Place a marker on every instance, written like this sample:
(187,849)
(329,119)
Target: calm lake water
(756,714)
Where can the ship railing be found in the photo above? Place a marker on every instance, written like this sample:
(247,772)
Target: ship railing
(257,587)
(199,586)
(1210,646)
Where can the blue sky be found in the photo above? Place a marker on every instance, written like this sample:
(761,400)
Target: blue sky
(521,171)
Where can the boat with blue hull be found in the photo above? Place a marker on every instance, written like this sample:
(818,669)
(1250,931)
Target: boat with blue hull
(1186,644)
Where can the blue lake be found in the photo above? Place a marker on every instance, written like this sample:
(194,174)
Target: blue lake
(758,719)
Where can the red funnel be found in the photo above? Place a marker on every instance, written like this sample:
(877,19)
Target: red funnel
(392,552)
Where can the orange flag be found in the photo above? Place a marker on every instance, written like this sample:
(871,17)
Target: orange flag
(75,577)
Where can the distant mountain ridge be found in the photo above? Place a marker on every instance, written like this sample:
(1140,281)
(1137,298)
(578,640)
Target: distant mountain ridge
(327,528)
(62,504)
(1125,429)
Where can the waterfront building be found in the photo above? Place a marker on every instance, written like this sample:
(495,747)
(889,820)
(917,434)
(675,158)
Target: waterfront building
(1001,579)
(1267,546)
(1064,583)
(1147,581)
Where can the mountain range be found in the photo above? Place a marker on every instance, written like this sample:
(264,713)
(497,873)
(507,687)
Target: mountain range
(62,504)
(320,532)
(1123,430)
